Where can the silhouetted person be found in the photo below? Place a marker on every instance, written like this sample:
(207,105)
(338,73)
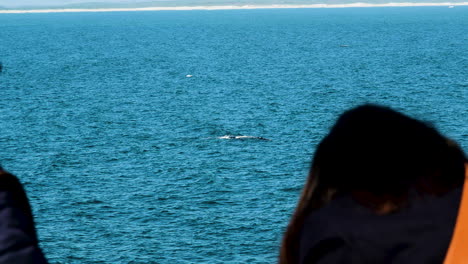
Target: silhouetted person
(383,188)
(18,238)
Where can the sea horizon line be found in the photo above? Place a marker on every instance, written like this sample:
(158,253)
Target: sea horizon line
(225,7)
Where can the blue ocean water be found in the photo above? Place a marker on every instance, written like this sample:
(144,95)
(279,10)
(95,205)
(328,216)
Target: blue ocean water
(120,151)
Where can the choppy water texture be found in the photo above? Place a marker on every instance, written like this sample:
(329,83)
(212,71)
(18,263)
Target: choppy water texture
(120,151)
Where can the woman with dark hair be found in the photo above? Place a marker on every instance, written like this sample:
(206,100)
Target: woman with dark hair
(383,188)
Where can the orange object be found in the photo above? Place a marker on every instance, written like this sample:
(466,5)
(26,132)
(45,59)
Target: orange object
(458,250)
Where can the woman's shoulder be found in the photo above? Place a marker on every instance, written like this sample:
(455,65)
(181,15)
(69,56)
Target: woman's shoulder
(348,230)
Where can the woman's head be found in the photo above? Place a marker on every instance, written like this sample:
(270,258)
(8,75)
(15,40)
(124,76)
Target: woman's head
(376,149)
(376,155)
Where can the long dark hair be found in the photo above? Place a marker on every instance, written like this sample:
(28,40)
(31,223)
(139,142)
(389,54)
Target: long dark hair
(375,155)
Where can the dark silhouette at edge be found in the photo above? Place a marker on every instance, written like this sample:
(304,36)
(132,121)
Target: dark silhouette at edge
(18,237)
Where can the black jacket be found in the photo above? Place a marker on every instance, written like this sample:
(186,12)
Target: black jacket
(346,232)
(18,239)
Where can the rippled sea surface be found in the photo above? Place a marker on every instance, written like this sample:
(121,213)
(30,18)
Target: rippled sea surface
(119,150)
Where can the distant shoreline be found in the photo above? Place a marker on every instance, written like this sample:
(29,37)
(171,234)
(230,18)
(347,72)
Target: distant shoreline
(225,7)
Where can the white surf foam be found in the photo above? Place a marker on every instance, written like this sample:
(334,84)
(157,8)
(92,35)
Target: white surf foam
(228,7)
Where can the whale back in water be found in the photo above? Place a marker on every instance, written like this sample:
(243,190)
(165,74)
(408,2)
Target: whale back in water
(242,137)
